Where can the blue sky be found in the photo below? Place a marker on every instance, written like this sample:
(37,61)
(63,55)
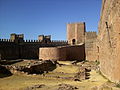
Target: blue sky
(49,17)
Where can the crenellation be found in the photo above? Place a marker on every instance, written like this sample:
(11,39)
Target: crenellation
(6,40)
(103,46)
(31,40)
(29,48)
(25,48)
(59,41)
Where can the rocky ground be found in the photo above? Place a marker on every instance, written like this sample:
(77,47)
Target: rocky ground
(49,75)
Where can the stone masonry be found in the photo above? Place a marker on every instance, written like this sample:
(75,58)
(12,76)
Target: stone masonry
(76,33)
(108,45)
(90,45)
(18,48)
(64,53)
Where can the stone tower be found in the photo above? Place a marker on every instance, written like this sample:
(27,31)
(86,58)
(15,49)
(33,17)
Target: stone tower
(76,33)
(43,38)
(17,37)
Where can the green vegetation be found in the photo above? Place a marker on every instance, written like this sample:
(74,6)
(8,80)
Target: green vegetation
(118,85)
(97,62)
(86,60)
(102,75)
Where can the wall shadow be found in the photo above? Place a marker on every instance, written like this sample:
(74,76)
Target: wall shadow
(4,72)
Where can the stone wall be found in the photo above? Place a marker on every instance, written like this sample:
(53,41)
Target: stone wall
(76,52)
(76,32)
(9,50)
(90,45)
(52,53)
(24,50)
(109,39)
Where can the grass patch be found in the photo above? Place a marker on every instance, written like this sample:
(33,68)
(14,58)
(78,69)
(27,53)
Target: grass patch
(103,76)
(97,62)
(118,85)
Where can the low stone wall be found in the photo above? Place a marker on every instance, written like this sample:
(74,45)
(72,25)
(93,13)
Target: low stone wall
(76,52)
(52,53)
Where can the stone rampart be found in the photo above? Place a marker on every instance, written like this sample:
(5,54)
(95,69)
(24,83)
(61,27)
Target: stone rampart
(28,49)
(9,50)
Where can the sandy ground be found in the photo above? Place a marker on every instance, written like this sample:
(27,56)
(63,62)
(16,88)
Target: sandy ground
(21,81)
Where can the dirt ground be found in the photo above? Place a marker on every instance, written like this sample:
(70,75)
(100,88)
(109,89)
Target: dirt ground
(53,80)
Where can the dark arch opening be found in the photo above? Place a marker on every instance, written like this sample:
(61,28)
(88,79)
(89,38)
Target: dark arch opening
(73,41)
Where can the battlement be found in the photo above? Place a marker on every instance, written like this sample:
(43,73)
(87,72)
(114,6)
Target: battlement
(62,41)
(31,41)
(6,40)
(53,42)
(39,41)
(44,38)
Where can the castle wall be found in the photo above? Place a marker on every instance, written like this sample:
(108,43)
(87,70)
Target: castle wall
(90,46)
(9,50)
(52,53)
(109,39)
(24,50)
(76,52)
(62,53)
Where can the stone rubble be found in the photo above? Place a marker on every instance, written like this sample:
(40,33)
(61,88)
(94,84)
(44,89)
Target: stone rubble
(66,87)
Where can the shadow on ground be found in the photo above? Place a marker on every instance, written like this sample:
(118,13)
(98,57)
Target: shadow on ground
(9,62)
(4,72)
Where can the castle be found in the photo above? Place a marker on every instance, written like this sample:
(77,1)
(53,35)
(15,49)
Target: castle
(74,48)
(18,48)
(80,44)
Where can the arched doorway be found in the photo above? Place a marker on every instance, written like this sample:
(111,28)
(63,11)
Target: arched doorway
(73,41)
